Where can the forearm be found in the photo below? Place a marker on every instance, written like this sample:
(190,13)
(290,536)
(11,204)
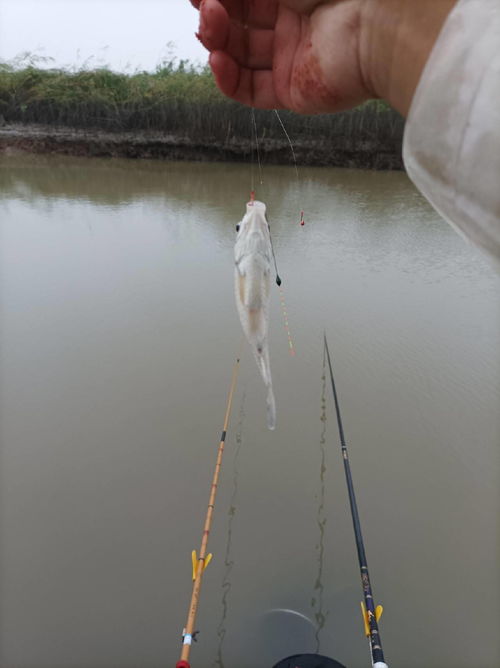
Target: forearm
(396,41)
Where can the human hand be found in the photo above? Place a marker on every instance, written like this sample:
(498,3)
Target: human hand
(301,55)
(315,56)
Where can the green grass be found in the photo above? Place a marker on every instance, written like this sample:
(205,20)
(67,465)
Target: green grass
(178,98)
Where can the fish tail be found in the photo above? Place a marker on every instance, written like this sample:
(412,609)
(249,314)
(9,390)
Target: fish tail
(261,354)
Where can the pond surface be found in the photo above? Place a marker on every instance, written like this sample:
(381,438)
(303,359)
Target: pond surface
(118,336)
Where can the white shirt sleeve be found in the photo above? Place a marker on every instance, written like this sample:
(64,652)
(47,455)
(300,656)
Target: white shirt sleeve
(451,146)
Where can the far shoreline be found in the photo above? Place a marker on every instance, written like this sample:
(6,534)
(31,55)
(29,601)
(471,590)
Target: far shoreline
(340,151)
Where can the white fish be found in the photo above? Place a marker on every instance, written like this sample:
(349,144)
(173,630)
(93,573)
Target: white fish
(252,276)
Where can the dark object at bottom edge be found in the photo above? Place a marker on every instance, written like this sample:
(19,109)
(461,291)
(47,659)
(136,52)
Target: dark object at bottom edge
(308,661)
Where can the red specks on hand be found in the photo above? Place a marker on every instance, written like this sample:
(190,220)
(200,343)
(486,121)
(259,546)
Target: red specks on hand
(309,89)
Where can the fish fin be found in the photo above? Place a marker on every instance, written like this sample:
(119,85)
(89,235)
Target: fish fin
(259,352)
(271,408)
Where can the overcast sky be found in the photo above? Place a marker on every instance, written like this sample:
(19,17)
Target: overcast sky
(121,33)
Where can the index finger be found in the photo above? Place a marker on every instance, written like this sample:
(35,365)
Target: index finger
(255,13)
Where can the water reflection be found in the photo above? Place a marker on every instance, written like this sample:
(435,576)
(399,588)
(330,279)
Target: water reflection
(228,556)
(118,332)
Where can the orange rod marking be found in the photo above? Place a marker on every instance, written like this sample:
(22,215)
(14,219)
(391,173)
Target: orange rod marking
(287,326)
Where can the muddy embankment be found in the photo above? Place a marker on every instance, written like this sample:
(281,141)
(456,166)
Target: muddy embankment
(369,153)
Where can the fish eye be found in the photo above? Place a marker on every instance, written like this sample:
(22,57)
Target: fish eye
(238,227)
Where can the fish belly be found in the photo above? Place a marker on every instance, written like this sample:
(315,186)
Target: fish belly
(252,299)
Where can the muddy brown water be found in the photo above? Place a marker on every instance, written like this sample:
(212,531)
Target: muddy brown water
(118,334)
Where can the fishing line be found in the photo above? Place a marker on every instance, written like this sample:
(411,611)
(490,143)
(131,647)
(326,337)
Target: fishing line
(252,160)
(301,221)
(287,325)
(201,562)
(282,298)
(252,195)
(252,178)
(290,142)
(371,613)
(278,279)
(254,123)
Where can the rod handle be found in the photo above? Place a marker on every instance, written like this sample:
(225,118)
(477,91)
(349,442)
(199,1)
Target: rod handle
(196,564)
(378,614)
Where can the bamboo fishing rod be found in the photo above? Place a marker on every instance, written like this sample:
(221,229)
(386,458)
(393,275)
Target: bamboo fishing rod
(200,563)
(371,613)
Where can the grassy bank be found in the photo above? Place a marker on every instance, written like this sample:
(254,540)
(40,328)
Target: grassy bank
(181,100)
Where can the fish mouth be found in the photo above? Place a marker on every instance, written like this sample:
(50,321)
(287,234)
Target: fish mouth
(256,206)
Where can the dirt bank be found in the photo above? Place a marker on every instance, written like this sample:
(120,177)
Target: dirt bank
(339,152)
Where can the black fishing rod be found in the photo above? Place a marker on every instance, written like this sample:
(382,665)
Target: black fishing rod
(371,613)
